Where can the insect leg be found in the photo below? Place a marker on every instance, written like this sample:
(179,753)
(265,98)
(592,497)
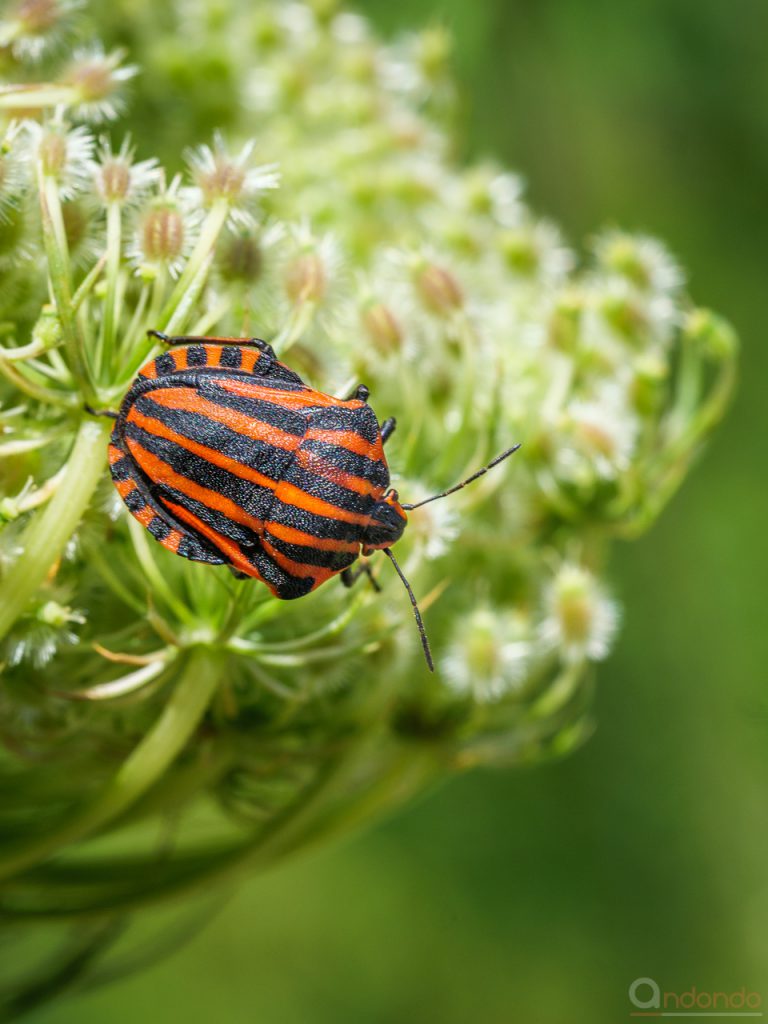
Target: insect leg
(193,339)
(360,394)
(387,429)
(350,576)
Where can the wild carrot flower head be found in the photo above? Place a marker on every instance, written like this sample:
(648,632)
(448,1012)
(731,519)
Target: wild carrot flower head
(138,685)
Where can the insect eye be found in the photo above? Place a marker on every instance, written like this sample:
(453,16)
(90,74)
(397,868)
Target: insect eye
(392,495)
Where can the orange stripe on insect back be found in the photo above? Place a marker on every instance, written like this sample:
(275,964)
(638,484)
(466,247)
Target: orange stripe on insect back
(160,472)
(293,400)
(293,536)
(115,454)
(189,400)
(350,440)
(289,494)
(124,487)
(180,358)
(144,515)
(217,458)
(223,544)
(316,572)
(212,355)
(249,358)
(322,467)
(148,370)
(172,541)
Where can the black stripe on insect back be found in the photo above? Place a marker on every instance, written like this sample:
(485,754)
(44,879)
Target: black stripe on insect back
(196,355)
(305,555)
(326,490)
(165,364)
(349,462)
(122,469)
(288,587)
(290,420)
(208,387)
(279,378)
(251,497)
(262,456)
(287,514)
(134,500)
(360,421)
(159,528)
(231,357)
(221,523)
(148,492)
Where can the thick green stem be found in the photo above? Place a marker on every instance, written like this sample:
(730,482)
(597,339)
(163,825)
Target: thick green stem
(44,539)
(141,769)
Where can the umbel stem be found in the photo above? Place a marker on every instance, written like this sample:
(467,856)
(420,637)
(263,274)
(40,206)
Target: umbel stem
(44,540)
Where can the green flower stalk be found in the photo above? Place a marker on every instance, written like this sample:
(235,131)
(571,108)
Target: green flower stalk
(162,724)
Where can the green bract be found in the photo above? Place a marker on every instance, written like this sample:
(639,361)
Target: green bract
(193,723)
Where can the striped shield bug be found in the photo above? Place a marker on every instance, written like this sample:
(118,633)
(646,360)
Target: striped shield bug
(226,456)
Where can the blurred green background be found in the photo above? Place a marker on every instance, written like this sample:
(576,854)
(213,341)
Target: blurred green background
(540,896)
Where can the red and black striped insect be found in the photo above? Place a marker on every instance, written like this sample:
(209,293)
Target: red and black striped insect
(227,457)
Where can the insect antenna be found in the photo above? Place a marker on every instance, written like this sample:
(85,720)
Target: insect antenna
(457,487)
(416,612)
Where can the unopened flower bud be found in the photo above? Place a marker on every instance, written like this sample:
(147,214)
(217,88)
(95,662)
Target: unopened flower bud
(118,178)
(47,330)
(324,10)
(359,63)
(644,262)
(382,328)
(54,614)
(114,180)
(434,52)
(36,15)
(565,321)
(439,290)
(241,258)
(519,251)
(95,78)
(161,234)
(624,314)
(63,154)
(220,176)
(92,79)
(306,279)
(712,333)
(649,386)
(52,153)
(622,256)
(224,180)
